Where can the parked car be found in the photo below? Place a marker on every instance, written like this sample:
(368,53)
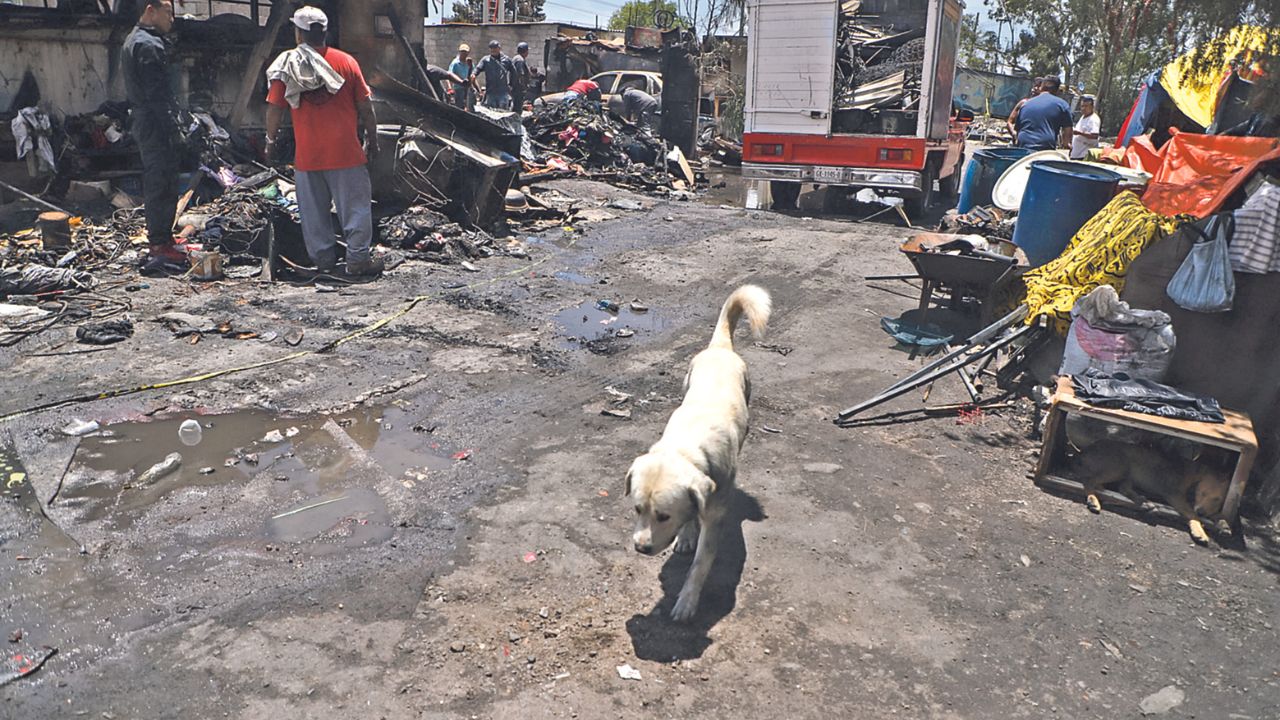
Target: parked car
(611,85)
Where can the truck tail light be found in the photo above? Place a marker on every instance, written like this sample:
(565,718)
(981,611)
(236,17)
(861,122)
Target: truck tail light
(774,150)
(896,154)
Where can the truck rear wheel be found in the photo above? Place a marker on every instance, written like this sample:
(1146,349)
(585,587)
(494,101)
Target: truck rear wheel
(917,206)
(785,194)
(950,185)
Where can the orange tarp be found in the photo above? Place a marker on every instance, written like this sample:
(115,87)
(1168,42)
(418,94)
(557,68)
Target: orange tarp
(1195,173)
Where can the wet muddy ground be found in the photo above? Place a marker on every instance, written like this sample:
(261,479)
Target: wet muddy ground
(426,520)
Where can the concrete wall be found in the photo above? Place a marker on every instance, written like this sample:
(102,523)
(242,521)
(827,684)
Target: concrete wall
(371,43)
(76,68)
(440,43)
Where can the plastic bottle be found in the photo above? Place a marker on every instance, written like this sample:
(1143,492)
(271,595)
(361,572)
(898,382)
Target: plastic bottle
(189,433)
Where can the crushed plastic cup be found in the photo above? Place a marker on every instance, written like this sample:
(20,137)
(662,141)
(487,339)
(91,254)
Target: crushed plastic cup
(190,433)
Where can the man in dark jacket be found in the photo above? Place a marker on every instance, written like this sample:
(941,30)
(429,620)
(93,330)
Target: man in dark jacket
(154,124)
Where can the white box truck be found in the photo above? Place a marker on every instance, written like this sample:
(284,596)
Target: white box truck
(853,95)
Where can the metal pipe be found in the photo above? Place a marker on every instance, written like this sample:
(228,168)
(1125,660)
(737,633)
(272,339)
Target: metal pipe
(33,198)
(929,377)
(977,338)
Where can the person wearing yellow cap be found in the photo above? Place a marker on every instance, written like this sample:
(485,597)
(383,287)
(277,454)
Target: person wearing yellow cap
(462,66)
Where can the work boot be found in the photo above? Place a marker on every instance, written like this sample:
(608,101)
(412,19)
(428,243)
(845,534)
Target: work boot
(366,268)
(165,261)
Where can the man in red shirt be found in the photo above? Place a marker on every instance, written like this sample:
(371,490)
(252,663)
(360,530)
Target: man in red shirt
(328,101)
(583,87)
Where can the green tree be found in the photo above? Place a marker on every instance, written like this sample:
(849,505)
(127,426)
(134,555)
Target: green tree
(640,13)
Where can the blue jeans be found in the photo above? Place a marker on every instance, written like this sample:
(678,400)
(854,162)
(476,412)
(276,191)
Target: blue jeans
(497,101)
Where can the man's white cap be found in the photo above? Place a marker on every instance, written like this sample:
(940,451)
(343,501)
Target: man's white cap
(307,16)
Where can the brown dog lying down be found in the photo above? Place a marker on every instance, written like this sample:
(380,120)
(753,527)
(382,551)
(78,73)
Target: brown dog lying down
(1180,474)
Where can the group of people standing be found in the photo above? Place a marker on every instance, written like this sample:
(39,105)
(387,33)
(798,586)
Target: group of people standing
(508,81)
(1043,121)
(324,92)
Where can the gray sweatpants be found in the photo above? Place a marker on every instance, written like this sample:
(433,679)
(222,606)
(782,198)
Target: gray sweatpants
(348,191)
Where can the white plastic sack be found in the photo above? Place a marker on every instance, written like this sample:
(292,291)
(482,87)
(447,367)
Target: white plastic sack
(1108,335)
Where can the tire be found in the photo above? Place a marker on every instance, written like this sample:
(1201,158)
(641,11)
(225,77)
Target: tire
(835,199)
(917,206)
(950,186)
(785,194)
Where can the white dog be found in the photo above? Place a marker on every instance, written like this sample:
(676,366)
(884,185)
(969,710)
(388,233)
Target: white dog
(679,485)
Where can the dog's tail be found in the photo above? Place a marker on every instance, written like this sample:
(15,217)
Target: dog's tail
(748,299)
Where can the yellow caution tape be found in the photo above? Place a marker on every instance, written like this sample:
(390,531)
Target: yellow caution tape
(1099,254)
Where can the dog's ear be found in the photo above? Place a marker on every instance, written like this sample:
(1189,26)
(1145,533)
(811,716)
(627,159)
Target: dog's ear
(699,490)
(627,486)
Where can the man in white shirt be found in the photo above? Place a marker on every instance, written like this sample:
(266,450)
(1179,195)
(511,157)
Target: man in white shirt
(1084,136)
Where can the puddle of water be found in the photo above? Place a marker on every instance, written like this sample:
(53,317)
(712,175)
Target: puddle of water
(575,278)
(733,191)
(335,521)
(306,458)
(587,322)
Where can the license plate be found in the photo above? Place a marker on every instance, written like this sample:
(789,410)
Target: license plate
(824,174)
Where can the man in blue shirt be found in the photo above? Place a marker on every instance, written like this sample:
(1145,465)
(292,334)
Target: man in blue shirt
(1042,120)
(461,66)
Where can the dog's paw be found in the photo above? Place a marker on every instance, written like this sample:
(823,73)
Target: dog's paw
(686,607)
(687,542)
(1198,533)
(1095,505)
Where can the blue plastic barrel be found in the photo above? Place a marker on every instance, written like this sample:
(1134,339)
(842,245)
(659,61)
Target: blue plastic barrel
(981,173)
(1061,196)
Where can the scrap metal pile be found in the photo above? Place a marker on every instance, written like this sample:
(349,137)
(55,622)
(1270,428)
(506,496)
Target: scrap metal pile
(577,138)
(877,67)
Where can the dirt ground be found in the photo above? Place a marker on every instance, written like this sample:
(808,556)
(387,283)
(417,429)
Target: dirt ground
(438,530)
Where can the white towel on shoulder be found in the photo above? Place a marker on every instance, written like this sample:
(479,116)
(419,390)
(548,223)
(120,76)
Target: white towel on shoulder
(303,69)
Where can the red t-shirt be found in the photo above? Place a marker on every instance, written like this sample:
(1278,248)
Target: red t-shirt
(582,87)
(324,125)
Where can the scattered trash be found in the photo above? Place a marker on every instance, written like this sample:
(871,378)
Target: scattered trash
(623,413)
(1026,561)
(624,333)
(1162,700)
(293,336)
(170,463)
(462,455)
(15,636)
(637,307)
(768,429)
(625,204)
(626,672)
(106,332)
(190,432)
(469,267)
(182,324)
(21,664)
(80,428)
(1111,648)
(273,436)
(206,471)
(608,305)
(530,557)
